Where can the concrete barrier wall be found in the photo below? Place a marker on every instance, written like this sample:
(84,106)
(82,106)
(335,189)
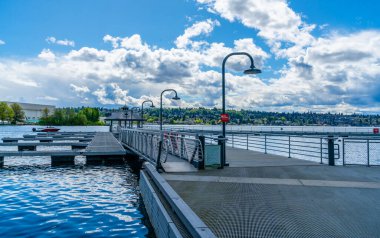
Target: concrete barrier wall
(194,225)
(159,218)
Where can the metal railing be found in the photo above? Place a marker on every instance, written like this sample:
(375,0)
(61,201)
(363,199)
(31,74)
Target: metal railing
(361,151)
(159,147)
(312,148)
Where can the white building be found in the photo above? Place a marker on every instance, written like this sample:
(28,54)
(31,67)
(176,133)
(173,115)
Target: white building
(33,112)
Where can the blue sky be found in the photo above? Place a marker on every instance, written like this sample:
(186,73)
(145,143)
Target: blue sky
(315,55)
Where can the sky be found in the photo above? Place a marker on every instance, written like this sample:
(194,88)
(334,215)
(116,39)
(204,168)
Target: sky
(315,55)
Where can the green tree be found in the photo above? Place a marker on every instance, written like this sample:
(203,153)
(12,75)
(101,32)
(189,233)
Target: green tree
(19,114)
(6,112)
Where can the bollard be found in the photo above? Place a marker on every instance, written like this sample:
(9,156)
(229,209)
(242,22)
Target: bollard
(1,162)
(330,149)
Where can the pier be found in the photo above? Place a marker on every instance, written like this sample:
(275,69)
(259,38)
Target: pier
(259,194)
(98,148)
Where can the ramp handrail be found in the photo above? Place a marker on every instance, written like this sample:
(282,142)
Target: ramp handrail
(158,147)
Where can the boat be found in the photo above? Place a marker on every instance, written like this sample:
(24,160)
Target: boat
(46,129)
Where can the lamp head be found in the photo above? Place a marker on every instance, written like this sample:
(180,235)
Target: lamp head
(152,106)
(176,98)
(252,70)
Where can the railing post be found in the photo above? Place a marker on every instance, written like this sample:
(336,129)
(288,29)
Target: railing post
(343,152)
(222,143)
(182,147)
(201,163)
(265,143)
(320,139)
(158,162)
(247,142)
(331,151)
(289,147)
(368,152)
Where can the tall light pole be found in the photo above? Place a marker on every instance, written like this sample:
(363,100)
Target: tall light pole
(174,98)
(142,110)
(252,70)
(133,108)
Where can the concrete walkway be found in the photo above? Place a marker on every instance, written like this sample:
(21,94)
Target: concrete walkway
(272,196)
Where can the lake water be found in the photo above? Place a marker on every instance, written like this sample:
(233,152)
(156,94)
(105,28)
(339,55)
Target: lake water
(37,200)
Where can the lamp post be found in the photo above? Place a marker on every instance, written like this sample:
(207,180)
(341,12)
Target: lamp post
(174,98)
(252,70)
(142,110)
(133,108)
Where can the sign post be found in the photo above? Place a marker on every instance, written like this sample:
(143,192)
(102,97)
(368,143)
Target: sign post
(225,117)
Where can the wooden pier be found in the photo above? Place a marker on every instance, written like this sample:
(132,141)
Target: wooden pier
(98,148)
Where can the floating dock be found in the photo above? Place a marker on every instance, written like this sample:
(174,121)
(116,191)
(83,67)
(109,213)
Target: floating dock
(101,147)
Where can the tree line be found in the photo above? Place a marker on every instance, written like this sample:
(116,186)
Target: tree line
(11,114)
(71,117)
(249,117)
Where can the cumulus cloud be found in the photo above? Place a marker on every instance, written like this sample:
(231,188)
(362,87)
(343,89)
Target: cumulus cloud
(274,19)
(197,29)
(47,55)
(65,42)
(336,72)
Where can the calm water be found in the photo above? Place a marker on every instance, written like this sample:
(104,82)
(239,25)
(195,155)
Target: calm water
(38,200)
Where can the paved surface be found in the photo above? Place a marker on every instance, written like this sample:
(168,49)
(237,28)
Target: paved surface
(272,196)
(175,164)
(248,158)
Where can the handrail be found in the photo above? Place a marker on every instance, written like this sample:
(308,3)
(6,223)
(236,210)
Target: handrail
(158,146)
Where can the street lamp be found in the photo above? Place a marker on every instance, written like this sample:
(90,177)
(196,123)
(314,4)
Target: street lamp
(174,98)
(133,108)
(142,110)
(252,70)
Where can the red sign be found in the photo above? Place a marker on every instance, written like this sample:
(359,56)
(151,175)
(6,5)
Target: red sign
(375,130)
(225,117)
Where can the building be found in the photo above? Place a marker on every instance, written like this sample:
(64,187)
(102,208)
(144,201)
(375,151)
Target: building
(33,112)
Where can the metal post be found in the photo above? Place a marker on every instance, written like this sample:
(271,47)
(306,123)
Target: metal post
(158,163)
(252,70)
(331,152)
(265,144)
(343,152)
(182,146)
(289,148)
(201,164)
(247,142)
(1,161)
(221,142)
(368,152)
(321,150)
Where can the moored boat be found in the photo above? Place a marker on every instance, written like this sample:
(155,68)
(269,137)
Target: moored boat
(46,129)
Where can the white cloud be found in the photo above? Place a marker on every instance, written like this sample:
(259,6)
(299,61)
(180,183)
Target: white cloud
(336,72)
(65,42)
(47,55)
(48,98)
(2,42)
(197,29)
(274,19)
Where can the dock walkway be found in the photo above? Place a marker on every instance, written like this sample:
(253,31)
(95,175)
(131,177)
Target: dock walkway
(261,195)
(102,147)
